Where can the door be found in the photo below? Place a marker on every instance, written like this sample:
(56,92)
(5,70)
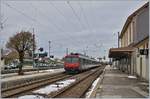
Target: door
(140,67)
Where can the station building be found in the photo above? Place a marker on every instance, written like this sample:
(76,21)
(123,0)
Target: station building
(132,56)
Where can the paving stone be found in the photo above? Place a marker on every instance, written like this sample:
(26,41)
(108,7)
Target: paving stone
(116,84)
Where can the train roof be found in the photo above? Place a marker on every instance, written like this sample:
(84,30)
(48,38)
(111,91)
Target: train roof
(80,56)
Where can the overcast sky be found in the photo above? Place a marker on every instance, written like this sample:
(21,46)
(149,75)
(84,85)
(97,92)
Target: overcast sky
(89,26)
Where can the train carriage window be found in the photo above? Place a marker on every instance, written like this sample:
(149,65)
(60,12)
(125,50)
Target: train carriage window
(86,61)
(81,61)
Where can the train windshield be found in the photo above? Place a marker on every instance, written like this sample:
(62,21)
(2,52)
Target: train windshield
(72,60)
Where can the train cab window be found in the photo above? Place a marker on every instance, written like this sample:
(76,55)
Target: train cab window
(74,60)
(71,59)
(68,60)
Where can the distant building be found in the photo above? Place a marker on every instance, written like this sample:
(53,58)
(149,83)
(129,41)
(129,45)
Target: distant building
(134,39)
(3,53)
(1,60)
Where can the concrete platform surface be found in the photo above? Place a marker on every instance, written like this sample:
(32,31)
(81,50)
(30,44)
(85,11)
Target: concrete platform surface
(15,76)
(14,79)
(30,73)
(116,84)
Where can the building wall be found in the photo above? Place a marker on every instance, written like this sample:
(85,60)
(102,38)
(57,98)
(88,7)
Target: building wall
(127,37)
(136,31)
(138,25)
(142,25)
(142,31)
(147,68)
(142,62)
(2,64)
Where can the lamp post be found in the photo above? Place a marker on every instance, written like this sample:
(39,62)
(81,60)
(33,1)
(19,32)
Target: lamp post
(86,50)
(66,51)
(49,42)
(33,48)
(118,39)
(0,57)
(39,59)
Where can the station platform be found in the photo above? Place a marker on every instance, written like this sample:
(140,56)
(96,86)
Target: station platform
(6,76)
(116,84)
(8,80)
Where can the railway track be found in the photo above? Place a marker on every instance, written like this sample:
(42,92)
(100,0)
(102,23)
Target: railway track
(18,89)
(76,89)
(79,88)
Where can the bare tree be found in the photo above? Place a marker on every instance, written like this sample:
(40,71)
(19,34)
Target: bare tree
(22,42)
(11,57)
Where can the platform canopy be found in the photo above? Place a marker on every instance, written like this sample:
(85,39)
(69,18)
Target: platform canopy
(120,52)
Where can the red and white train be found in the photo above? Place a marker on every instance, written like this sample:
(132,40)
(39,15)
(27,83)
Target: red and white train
(76,62)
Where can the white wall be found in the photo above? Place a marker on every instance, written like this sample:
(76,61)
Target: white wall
(145,66)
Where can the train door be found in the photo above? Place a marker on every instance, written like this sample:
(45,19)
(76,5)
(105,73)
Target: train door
(84,64)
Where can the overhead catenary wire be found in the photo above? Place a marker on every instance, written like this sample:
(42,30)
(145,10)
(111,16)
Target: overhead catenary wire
(59,11)
(74,12)
(20,12)
(8,5)
(34,20)
(25,15)
(0,15)
(78,18)
(37,10)
(58,28)
(85,17)
(55,25)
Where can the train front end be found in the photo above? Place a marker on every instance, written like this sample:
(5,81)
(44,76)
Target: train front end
(71,64)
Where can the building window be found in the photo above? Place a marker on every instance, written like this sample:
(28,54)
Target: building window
(126,38)
(146,45)
(130,34)
(143,46)
(133,31)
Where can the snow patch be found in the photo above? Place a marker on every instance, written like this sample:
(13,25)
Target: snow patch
(108,65)
(31,97)
(114,68)
(41,71)
(131,77)
(144,83)
(50,70)
(92,87)
(54,87)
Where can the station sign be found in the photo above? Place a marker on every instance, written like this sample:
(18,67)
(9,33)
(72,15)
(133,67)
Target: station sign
(51,56)
(41,55)
(41,49)
(144,51)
